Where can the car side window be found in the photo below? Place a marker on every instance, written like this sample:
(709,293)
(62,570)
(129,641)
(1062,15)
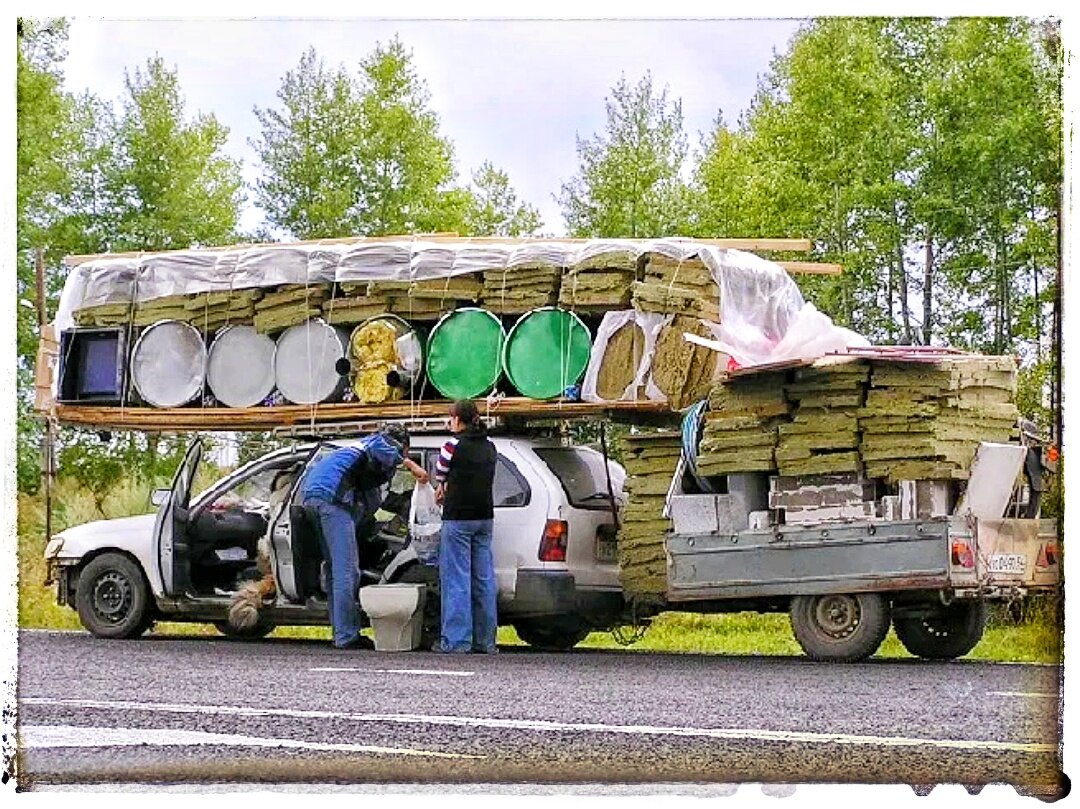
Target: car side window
(510,489)
(253,492)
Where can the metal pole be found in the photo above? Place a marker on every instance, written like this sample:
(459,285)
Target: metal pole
(48,466)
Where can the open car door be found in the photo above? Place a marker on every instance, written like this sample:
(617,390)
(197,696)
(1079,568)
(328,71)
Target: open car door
(171,546)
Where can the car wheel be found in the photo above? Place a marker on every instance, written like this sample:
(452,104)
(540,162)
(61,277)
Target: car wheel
(840,627)
(945,633)
(260,630)
(429,576)
(552,634)
(113,597)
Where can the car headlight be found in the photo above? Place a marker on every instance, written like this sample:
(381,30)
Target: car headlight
(52,548)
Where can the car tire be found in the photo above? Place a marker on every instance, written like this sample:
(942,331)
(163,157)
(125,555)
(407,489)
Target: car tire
(551,634)
(260,630)
(840,627)
(113,597)
(432,622)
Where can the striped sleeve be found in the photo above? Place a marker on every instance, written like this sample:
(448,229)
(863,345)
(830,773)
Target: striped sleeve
(446,455)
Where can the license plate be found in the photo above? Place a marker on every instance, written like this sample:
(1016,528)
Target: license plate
(1007,563)
(607,550)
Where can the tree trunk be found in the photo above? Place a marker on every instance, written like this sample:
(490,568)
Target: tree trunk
(928,289)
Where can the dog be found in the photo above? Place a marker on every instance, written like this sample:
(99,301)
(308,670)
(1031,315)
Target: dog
(253,596)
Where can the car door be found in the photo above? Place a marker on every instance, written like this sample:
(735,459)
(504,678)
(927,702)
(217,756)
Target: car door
(171,548)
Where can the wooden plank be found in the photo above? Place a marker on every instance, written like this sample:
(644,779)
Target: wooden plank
(782,245)
(179,419)
(811,267)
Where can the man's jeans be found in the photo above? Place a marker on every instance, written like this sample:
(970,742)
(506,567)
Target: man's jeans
(467,582)
(338,540)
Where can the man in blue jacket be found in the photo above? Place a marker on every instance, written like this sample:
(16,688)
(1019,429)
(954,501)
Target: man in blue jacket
(341,490)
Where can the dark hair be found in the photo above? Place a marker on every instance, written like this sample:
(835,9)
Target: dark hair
(465,409)
(397,434)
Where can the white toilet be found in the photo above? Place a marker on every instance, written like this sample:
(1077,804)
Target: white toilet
(397,615)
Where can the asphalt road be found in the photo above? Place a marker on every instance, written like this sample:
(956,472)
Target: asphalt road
(171,710)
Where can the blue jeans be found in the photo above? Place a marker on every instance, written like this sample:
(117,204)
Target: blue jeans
(467,582)
(338,540)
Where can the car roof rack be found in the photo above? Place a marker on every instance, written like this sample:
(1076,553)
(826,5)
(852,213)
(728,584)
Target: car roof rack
(352,429)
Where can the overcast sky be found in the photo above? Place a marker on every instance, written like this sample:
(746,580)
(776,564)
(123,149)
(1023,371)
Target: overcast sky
(515,92)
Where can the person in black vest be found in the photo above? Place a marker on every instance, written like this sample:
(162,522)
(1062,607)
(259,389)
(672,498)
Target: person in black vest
(465,473)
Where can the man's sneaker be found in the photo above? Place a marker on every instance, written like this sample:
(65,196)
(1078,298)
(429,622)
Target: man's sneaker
(438,648)
(492,651)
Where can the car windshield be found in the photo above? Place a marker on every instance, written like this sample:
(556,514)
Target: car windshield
(580,470)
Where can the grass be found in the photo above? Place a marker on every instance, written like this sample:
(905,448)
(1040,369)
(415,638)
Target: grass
(1037,638)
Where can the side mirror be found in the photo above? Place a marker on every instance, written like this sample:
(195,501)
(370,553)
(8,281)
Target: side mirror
(159,496)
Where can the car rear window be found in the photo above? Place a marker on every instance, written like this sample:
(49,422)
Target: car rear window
(581,473)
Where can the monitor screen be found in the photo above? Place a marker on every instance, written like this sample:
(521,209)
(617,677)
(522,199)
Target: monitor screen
(96,372)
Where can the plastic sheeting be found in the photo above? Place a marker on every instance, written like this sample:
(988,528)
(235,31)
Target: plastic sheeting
(759,303)
(650,324)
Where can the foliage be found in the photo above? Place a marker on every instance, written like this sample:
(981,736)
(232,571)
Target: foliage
(493,208)
(628,181)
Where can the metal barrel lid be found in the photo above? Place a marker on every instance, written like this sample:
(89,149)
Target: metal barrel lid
(306,362)
(546,352)
(168,363)
(240,366)
(463,353)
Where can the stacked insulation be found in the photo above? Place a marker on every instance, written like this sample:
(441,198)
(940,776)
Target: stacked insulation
(289,305)
(650,459)
(823,436)
(206,311)
(619,365)
(355,302)
(742,425)
(431,299)
(681,370)
(677,286)
(924,421)
(599,282)
(528,280)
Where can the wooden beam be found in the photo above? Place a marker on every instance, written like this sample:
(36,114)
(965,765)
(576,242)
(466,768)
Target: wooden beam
(750,244)
(811,267)
(183,419)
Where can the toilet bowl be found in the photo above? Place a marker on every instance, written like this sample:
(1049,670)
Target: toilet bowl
(396,612)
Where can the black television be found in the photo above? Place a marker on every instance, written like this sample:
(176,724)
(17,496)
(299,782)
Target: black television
(92,365)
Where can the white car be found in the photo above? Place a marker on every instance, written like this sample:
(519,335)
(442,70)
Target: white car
(554,546)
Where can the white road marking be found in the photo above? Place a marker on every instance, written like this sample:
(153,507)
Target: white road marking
(46,736)
(540,725)
(436,672)
(1021,694)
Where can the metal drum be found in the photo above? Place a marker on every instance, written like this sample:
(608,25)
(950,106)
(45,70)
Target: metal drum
(463,353)
(386,357)
(168,363)
(240,367)
(308,366)
(546,352)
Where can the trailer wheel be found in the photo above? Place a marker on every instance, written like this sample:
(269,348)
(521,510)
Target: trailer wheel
(947,632)
(113,597)
(841,628)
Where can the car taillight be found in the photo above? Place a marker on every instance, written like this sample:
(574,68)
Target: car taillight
(553,542)
(962,555)
(1048,555)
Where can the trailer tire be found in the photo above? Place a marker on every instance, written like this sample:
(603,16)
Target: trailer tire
(113,597)
(840,627)
(951,631)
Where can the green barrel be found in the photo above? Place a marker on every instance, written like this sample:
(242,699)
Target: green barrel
(546,352)
(464,352)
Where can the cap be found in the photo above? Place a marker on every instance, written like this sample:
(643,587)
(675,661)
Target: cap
(398,434)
